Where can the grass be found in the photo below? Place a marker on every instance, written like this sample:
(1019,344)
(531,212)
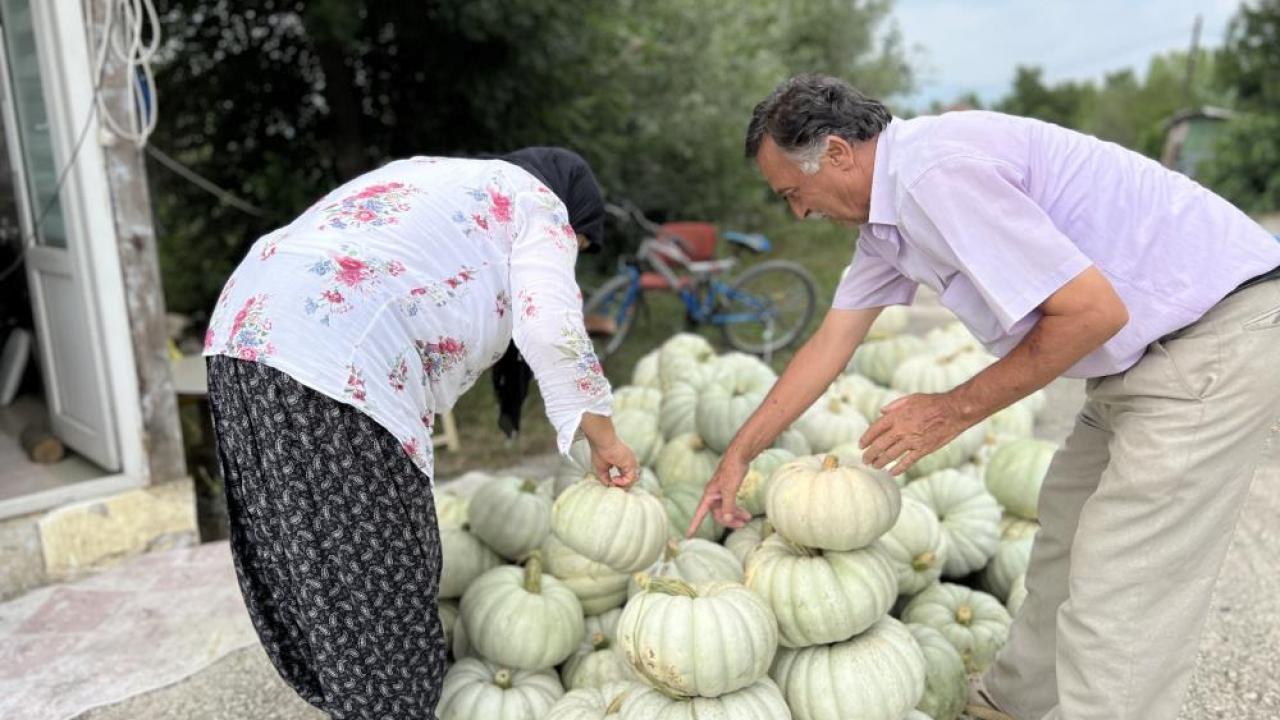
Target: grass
(822,248)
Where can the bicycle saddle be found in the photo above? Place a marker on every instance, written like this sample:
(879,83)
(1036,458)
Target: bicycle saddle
(755,242)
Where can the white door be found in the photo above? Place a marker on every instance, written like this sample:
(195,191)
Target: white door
(73,365)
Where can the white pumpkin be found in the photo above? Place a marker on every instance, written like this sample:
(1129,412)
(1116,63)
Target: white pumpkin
(970,518)
(723,406)
(645,479)
(706,641)
(878,359)
(953,454)
(1010,561)
(1013,527)
(992,442)
(599,587)
(877,675)
(632,397)
(639,430)
(952,337)
(870,402)
(463,559)
(511,515)
(751,493)
(744,541)
(696,561)
(680,503)
(975,623)
(1017,420)
(819,596)
(679,413)
(891,321)
(938,373)
(476,688)
(914,547)
(792,441)
(1016,472)
(645,373)
(623,528)
(574,466)
(593,703)
(685,461)
(681,356)
(815,502)
(451,508)
(746,370)
(946,686)
(596,663)
(522,618)
(760,701)
(831,421)
(1017,595)
(461,646)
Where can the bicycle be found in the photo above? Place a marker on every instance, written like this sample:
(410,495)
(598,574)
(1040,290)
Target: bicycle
(761,311)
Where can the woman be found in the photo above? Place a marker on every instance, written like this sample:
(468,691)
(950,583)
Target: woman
(332,348)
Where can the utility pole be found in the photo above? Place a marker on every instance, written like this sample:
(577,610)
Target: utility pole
(1191,63)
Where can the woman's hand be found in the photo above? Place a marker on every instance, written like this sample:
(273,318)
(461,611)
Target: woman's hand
(721,495)
(609,453)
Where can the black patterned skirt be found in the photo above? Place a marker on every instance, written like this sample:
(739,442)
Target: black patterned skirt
(333,531)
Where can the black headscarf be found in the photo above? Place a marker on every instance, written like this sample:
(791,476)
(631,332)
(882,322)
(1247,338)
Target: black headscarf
(566,174)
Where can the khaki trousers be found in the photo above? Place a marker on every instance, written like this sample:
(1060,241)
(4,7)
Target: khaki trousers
(1136,512)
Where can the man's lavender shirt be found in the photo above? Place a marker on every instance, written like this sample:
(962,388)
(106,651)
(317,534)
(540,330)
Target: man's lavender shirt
(996,213)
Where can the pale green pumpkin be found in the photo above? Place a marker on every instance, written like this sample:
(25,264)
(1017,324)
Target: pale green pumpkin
(631,397)
(511,515)
(878,359)
(679,413)
(451,508)
(681,357)
(1017,595)
(938,373)
(522,618)
(832,420)
(876,675)
(475,689)
(707,641)
(1010,561)
(745,540)
(463,559)
(952,455)
(975,623)
(760,701)
(599,587)
(1013,527)
(596,663)
(952,337)
(623,528)
(914,547)
(946,686)
(745,369)
(696,561)
(819,596)
(891,322)
(816,502)
(751,492)
(639,431)
(1015,473)
(969,516)
(792,441)
(594,703)
(645,373)
(680,503)
(723,406)
(685,461)
(1017,420)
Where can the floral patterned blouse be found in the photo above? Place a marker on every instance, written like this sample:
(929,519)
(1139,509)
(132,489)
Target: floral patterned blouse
(394,292)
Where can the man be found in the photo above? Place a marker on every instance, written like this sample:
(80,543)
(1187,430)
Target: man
(1069,256)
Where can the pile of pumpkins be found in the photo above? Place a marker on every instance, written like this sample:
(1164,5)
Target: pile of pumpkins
(851,593)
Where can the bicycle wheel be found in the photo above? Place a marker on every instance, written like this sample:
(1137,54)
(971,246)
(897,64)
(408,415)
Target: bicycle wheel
(610,312)
(766,308)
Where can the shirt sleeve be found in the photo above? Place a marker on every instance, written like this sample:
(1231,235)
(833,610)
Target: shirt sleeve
(971,214)
(870,281)
(547,308)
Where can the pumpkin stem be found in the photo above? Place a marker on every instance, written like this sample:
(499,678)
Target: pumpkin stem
(697,443)
(923,561)
(502,678)
(529,485)
(670,586)
(533,572)
(599,641)
(835,405)
(964,615)
(673,549)
(830,462)
(616,705)
(766,529)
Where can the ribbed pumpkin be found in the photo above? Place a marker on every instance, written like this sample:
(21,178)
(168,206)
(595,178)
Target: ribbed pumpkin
(522,618)
(975,623)
(891,321)
(951,455)
(946,687)
(681,356)
(596,663)
(815,502)
(1017,420)
(937,373)
(878,359)
(598,586)
(639,430)
(952,337)
(992,442)
(914,547)
(631,397)
(751,493)
(1010,561)
(594,703)
(1015,473)
(460,645)
(723,407)
(831,421)
(793,441)
(646,480)
(706,641)
(511,515)
(746,369)
(645,373)
(877,675)
(819,596)
(625,529)
(696,561)
(1013,527)
(1017,595)
(681,502)
(746,539)
(451,508)
(759,701)
(463,559)
(970,518)
(871,401)
(679,413)
(476,688)
(685,461)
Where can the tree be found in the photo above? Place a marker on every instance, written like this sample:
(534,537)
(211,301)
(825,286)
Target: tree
(1062,104)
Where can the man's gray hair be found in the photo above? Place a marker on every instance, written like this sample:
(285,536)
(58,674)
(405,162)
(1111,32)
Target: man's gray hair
(803,112)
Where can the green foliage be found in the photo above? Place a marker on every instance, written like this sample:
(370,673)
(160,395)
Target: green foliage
(1245,166)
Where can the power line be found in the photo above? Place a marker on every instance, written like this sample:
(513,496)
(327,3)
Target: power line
(208,185)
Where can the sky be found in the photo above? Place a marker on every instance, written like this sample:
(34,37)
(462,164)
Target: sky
(963,45)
